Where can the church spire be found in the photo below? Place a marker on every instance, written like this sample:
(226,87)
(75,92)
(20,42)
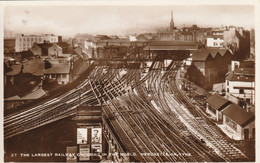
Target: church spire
(171,17)
(171,23)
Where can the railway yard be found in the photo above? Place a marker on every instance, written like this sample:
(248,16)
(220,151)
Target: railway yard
(146,110)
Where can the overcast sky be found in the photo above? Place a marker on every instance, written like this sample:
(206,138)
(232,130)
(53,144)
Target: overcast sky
(70,20)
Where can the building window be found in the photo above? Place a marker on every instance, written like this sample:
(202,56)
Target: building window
(227,83)
(231,123)
(227,89)
(241,91)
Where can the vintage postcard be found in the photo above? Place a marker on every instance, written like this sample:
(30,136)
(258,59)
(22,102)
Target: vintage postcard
(159,81)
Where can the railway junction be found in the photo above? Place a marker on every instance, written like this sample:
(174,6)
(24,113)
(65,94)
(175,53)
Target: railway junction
(126,111)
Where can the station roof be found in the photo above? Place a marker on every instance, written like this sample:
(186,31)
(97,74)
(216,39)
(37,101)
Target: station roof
(218,102)
(171,45)
(169,48)
(239,115)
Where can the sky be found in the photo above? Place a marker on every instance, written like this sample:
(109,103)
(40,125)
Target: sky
(119,20)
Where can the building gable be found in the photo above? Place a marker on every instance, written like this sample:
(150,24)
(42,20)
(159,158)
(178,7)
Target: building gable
(239,115)
(218,102)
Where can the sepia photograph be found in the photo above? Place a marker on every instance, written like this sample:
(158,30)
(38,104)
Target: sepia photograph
(128,81)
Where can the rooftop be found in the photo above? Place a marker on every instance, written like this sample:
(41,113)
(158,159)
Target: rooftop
(15,70)
(242,74)
(34,94)
(216,36)
(223,51)
(214,52)
(239,115)
(171,45)
(34,67)
(245,71)
(41,35)
(44,45)
(63,44)
(200,55)
(218,102)
(58,69)
(185,32)
(13,98)
(8,59)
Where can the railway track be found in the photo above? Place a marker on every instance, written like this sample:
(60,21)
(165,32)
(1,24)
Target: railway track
(51,111)
(203,127)
(198,125)
(130,117)
(149,114)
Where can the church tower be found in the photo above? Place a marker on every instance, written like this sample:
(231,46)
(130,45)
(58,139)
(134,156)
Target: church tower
(171,23)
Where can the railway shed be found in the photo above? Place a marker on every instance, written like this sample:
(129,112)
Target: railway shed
(240,121)
(177,50)
(215,105)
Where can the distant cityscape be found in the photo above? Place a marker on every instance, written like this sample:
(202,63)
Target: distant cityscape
(212,67)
